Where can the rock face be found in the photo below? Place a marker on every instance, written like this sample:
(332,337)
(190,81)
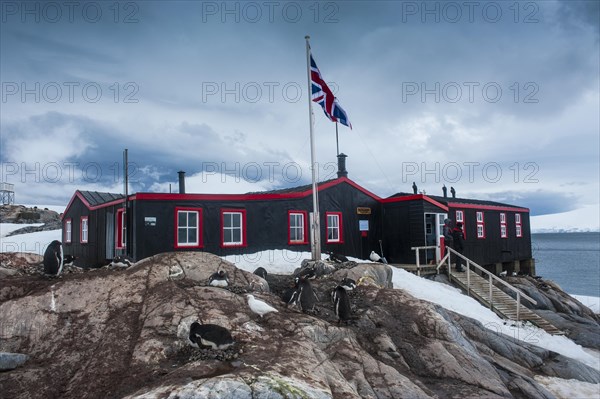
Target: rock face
(562,310)
(123,333)
(23,214)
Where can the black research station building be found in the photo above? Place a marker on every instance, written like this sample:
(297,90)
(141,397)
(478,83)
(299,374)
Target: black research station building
(98,226)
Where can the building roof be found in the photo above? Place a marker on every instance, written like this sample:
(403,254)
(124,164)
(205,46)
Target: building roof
(449,201)
(289,190)
(95,198)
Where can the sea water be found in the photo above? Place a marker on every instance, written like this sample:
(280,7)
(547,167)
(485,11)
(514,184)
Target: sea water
(572,260)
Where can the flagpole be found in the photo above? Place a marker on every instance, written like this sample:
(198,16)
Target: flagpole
(316,231)
(337,141)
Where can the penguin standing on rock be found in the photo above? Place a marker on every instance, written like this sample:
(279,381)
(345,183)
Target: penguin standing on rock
(219,279)
(53,258)
(348,284)
(341,304)
(261,272)
(68,260)
(210,335)
(304,296)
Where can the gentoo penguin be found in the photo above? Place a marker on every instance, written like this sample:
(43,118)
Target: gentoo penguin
(259,307)
(212,335)
(53,258)
(308,273)
(337,258)
(261,272)
(68,260)
(341,304)
(219,279)
(348,284)
(120,261)
(304,296)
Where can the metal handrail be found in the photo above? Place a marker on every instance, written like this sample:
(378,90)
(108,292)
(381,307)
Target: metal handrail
(417,249)
(491,278)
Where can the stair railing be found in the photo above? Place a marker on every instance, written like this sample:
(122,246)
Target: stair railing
(417,252)
(491,278)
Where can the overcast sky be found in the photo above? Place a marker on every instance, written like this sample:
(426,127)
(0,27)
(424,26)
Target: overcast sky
(497,99)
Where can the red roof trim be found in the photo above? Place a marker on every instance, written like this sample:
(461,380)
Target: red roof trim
(249,197)
(416,197)
(87,204)
(487,207)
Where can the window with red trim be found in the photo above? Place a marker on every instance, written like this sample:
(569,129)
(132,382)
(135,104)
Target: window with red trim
(68,237)
(121,233)
(518,226)
(503,231)
(83,231)
(480,225)
(460,217)
(334,227)
(297,227)
(233,227)
(188,230)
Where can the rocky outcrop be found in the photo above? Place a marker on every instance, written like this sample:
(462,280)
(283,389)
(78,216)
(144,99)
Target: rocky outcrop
(123,333)
(23,214)
(566,313)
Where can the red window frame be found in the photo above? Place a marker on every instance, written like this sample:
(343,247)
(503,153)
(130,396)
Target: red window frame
(305,229)
(480,223)
(461,220)
(503,228)
(199,227)
(244,238)
(68,238)
(518,225)
(340,226)
(87,230)
(120,235)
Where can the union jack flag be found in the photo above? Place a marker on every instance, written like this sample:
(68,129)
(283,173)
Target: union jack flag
(322,94)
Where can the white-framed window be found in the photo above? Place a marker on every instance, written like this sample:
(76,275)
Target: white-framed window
(480,225)
(519,231)
(121,229)
(297,231)
(480,231)
(518,226)
(503,230)
(189,227)
(479,217)
(460,217)
(233,232)
(68,231)
(517,218)
(334,227)
(84,227)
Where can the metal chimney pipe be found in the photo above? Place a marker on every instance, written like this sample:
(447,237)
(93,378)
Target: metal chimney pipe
(342,172)
(181,174)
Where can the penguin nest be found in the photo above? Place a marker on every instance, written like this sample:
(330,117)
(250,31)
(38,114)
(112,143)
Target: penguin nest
(193,354)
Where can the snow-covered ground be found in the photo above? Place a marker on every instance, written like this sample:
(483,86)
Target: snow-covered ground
(285,262)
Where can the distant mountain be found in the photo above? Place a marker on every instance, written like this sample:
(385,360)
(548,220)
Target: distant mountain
(586,219)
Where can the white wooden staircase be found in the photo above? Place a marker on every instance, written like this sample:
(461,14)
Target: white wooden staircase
(488,294)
